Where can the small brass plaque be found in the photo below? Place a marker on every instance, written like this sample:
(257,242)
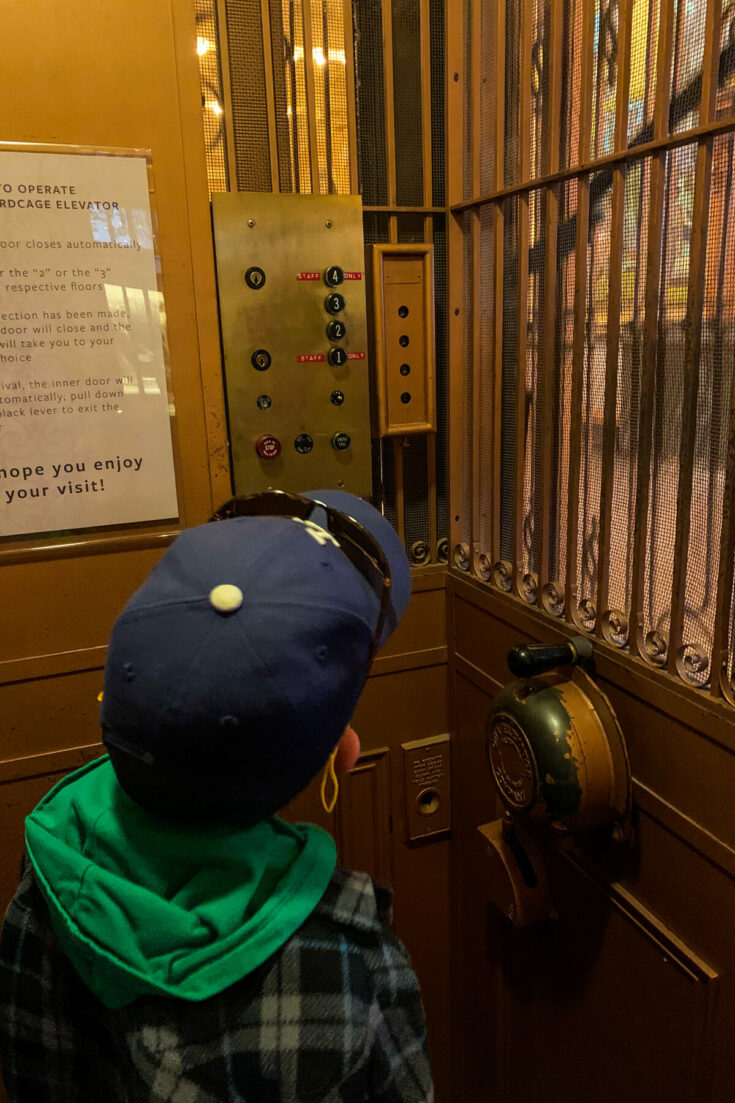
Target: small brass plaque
(427,786)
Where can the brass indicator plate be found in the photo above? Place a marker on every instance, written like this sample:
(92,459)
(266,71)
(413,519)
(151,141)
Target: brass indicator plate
(427,783)
(296,421)
(403,304)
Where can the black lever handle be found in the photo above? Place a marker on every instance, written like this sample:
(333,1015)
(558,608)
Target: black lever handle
(528,659)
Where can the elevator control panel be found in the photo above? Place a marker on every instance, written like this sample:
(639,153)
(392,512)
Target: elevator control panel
(291,286)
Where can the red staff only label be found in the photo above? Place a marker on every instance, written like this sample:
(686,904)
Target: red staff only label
(353,275)
(355,355)
(309,276)
(311,357)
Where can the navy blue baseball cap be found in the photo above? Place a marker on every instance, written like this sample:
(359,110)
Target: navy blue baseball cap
(234,669)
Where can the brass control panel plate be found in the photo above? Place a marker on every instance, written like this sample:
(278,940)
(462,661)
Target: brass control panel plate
(291,283)
(427,786)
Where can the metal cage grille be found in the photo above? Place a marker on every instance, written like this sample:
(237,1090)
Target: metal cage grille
(607,318)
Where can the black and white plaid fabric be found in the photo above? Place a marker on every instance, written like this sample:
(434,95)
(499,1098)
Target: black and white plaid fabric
(334,1016)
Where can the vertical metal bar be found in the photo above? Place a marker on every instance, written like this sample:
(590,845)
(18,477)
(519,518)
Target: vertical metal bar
(719,680)
(425,41)
(224,65)
(426,149)
(454,87)
(524,158)
(398,443)
(477,380)
(390,122)
(349,33)
(553,19)
(650,353)
(497,354)
(693,332)
(580,312)
(270,93)
(327,99)
(615,295)
(310,97)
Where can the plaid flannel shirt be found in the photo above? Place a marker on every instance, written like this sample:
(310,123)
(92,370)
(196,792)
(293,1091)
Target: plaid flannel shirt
(335,1015)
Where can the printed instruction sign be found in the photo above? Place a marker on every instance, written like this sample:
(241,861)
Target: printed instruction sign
(85,430)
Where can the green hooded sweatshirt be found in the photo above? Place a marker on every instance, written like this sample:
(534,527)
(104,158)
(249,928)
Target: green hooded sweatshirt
(143,905)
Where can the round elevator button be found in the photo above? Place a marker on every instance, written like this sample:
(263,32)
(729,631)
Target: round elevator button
(337,356)
(334,303)
(268,447)
(261,359)
(303,443)
(336,330)
(341,441)
(337,398)
(334,276)
(255,277)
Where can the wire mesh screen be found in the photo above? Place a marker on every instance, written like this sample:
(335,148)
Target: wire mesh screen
(370,79)
(328,63)
(247,94)
(436,16)
(612,492)
(210,79)
(407,102)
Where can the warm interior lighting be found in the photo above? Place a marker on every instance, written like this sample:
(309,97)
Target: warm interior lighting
(214,107)
(318,55)
(203,44)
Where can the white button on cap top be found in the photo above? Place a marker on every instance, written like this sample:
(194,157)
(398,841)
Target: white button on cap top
(226,598)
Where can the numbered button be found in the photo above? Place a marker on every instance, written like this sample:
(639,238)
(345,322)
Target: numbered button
(335,303)
(341,441)
(261,359)
(303,443)
(337,356)
(334,276)
(255,277)
(336,330)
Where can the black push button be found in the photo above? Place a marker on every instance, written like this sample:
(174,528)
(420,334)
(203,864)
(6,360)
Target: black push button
(337,398)
(261,359)
(337,356)
(255,277)
(335,303)
(341,441)
(333,276)
(303,443)
(336,330)
(405,369)
(264,402)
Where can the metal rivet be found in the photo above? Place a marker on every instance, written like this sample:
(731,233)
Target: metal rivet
(251,222)
(329,224)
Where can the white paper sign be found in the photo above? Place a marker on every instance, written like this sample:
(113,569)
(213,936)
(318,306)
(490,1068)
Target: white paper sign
(85,431)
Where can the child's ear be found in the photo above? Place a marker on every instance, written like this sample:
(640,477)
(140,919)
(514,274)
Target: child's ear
(348,751)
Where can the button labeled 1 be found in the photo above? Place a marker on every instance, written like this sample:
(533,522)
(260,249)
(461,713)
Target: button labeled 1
(337,356)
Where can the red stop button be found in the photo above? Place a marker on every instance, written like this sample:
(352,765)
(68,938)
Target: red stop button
(268,447)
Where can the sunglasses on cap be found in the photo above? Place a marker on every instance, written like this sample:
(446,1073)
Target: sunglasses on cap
(360,547)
